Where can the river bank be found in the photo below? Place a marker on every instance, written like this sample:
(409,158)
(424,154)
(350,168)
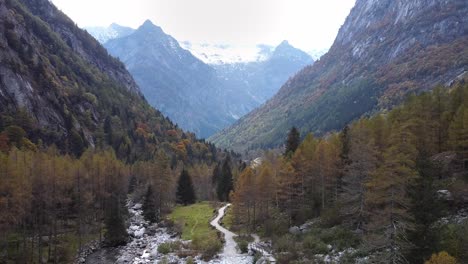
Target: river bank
(146,238)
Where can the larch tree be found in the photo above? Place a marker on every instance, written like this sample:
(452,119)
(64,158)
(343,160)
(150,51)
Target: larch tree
(245,198)
(266,187)
(361,163)
(162,181)
(290,196)
(307,178)
(388,199)
(326,158)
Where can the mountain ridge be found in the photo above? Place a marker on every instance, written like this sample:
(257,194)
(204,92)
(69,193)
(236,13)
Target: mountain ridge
(113,31)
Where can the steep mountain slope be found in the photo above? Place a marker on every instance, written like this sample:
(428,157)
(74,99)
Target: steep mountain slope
(173,80)
(59,86)
(262,79)
(385,50)
(199,97)
(114,31)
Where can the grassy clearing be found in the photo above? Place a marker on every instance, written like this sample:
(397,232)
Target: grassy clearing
(194,220)
(194,223)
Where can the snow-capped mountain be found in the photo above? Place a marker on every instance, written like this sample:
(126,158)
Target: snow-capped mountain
(202,87)
(227,53)
(317,53)
(114,31)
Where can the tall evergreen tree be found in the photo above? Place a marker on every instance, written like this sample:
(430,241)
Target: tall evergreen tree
(458,131)
(225,183)
(425,208)
(149,206)
(216,174)
(292,142)
(116,234)
(185,193)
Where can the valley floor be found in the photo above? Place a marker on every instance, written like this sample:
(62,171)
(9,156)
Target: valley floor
(147,238)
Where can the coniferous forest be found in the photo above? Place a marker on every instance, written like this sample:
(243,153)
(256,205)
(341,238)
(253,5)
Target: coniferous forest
(379,186)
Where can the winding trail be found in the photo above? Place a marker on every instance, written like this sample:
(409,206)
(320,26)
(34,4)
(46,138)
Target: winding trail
(230,246)
(230,254)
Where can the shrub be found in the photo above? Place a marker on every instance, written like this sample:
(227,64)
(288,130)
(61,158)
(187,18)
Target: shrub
(168,247)
(314,244)
(285,243)
(340,238)
(276,226)
(189,260)
(453,239)
(331,217)
(164,248)
(441,258)
(243,246)
(208,247)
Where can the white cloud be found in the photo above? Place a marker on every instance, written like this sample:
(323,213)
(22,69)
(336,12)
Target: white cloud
(307,24)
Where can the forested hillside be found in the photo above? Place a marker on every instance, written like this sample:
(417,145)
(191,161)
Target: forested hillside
(384,51)
(59,86)
(377,191)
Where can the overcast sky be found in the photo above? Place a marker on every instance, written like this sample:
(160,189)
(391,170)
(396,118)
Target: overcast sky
(307,24)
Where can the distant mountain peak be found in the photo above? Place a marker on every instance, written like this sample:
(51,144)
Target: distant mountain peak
(148,23)
(149,26)
(284,43)
(286,50)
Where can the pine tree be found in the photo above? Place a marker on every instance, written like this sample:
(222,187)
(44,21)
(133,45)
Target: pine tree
(116,232)
(185,192)
(149,206)
(458,131)
(425,208)
(225,183)
(292,142)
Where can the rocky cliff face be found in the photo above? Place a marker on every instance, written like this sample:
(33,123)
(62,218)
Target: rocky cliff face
(385,50)
(63,80)
(81,42)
